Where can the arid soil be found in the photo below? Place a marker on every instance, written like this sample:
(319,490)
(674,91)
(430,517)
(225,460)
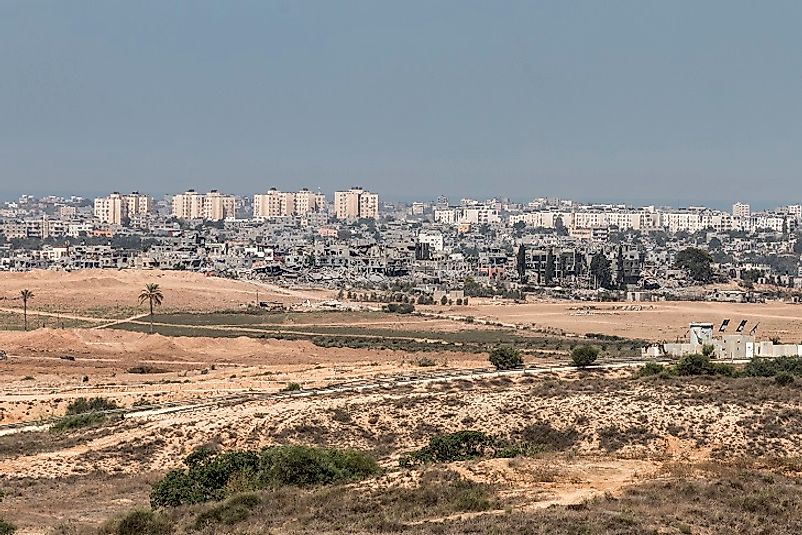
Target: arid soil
(659,322)
(110,293)
(616,432)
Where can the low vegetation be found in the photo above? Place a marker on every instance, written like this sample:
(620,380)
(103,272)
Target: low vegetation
(84,412)
(399,308)
(506,358)
(584,355)
(782,369)
(214,476)
(466,445)
(7,528)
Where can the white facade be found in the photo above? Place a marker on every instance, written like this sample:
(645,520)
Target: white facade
(213,206)
(741,209)
(447,216)
(433,239)
(276,203)
(112,210)
(356,203)
(138,204)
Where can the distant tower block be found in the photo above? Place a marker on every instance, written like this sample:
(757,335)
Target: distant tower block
(701,333)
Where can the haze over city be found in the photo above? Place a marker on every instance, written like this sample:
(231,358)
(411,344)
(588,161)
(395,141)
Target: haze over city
(362,267)
(649,102)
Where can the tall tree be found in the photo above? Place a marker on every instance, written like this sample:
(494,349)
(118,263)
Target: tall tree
(521,263)
(551,268)
(600,269)
(154,296)
(619,267)
(697,262)
(25,294)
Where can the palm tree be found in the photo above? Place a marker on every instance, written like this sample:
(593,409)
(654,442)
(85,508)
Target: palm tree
(25,295)
(154,296)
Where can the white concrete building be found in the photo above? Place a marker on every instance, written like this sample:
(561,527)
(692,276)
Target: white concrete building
(433,238)
(277,203)
(112,210)
(356,203)
(213,206)
(741,209)
(138,204)
(217,206)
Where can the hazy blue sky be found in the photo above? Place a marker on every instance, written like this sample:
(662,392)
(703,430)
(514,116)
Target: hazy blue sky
(639,100)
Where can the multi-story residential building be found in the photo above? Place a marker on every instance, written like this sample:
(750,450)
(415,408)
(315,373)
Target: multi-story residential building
(307,202)
(67,211)
(112,210)
(188,205)
(217,206)
(276,203)
(271,204)
(741,209)
(433,239)
(356,203)
(213,206)
(138,204)
(479,214)
(447,216)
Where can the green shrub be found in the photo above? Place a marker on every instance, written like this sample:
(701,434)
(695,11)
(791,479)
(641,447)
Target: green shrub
(583,356)
(458,446)
(78,421)
(761,367)
(212,476)
(651,369)
(694,365)
(139,522)
(506,358)
(425,362)
(7,528)
(400,308)
(784,379)
(205,479)
(701,365)
(84,405)
(291,387)
(306,466)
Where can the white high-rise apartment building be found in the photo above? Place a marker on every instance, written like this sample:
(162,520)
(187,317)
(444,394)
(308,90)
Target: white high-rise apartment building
(267,205)
(276,203)
(138,203)
(741,209)
(188,205)
(213,206)
(217,206)
(112,210)
(307,202)
(356,203)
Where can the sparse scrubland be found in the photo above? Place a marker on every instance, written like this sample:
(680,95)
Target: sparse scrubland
(695,446)
(672,451)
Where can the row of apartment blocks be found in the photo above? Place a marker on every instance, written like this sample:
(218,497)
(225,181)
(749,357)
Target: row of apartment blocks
(646,218)
(277,203)
(353,204)
(117,209)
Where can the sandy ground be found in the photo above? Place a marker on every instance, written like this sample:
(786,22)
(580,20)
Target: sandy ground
(109,292)
(36,381)
(626,432)
(663,321)
(91,474)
